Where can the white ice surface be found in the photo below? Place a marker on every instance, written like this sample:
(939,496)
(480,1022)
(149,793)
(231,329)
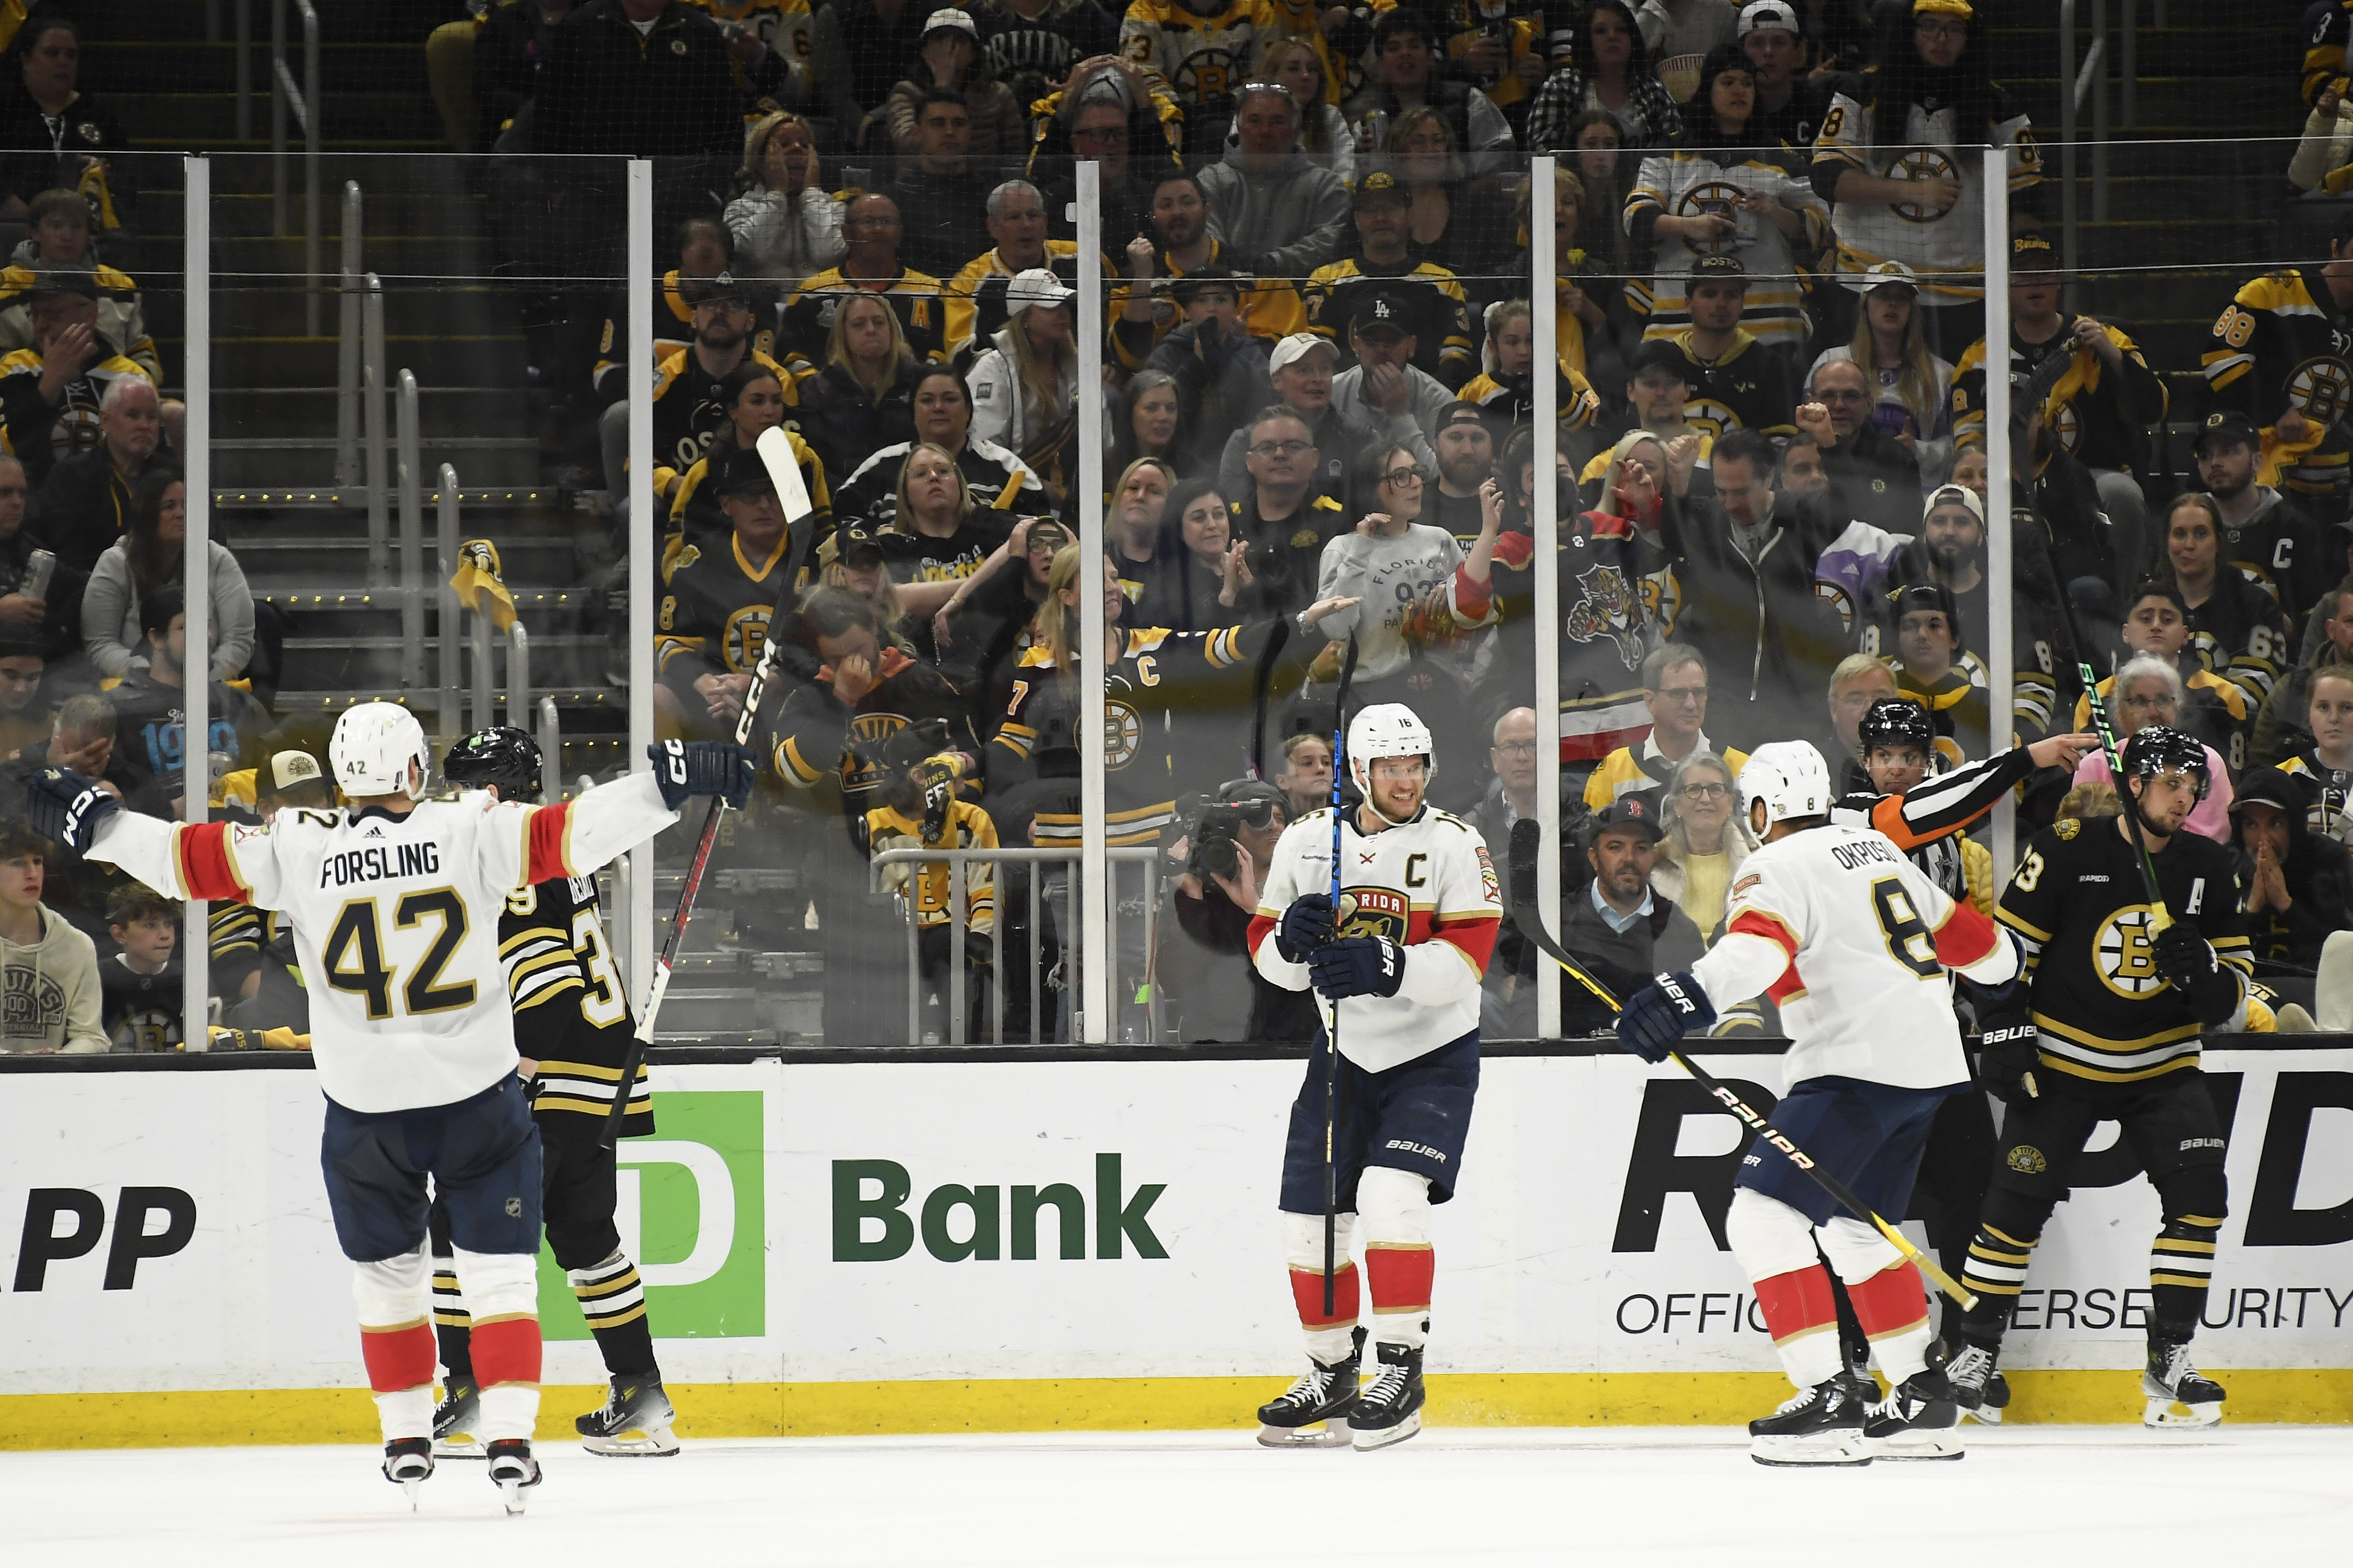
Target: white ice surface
(2083,1495)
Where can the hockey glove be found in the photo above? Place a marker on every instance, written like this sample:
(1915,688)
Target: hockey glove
(1306,925)
(68,806)
(1357,966)
(2008,1049)
(2187,959)
(1658,1016)
(685,769)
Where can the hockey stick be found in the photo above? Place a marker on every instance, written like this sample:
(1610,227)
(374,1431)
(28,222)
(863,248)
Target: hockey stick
(1527,842)
(1332,1035)
(2160,916)
(777,453)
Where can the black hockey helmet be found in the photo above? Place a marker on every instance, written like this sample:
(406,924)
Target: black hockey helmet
(501,755)
(2160,749)
(1896,722)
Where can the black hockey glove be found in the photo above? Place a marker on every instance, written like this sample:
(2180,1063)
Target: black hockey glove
(685,769)
(2186,961)
(2009,1051)
(68,806)
(1658,1016)
(1305,926)
(1357,966)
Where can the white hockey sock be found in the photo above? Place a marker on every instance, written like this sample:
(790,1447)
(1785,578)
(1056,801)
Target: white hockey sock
(510,1410)
(405,1413)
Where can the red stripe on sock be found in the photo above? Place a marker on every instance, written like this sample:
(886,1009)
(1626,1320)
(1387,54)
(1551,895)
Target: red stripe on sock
(397,1358)
(506,1352)
(1890,1301)
(1307,1290)
(1797,1301)
(1400,1276)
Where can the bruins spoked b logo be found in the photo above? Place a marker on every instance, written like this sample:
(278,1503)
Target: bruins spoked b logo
(2123,952)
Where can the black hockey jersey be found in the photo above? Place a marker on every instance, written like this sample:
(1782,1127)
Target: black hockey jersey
(715,608)
(571,1012)
(2241,633)
(142,1012)
(919,300)
(2095,415)
(2280,344)
(2108,1020)
(1440,323)
(2331,815)
(2279,550)
(1748,387)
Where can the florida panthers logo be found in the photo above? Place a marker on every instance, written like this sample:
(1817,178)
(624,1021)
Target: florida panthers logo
(1379,911)
(1921,163)
(1607,609)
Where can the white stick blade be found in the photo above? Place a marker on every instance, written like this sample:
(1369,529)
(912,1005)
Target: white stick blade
(776,450)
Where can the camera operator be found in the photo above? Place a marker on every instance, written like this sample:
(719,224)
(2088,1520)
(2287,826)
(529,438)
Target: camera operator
(1214,992)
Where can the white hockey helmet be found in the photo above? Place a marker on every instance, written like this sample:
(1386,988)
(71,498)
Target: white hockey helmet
(378,748)
(1790,777)
(1386,730)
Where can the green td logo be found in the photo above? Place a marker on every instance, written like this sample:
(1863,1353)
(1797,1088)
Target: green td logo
(872,1223)
(690,1214)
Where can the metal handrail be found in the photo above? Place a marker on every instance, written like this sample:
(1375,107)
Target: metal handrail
(447,542)
(347,342)
(412,538)
(2089,81)
(1148,856)
(551,749)
(372,393)
(302,100)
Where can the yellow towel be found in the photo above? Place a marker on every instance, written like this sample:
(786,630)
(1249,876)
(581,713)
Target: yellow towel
(477,580)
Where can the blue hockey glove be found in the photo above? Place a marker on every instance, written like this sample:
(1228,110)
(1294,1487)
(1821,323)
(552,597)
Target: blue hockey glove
(1661,1012)
(1357,966)
(685,769)
(1306,925)
(68,806)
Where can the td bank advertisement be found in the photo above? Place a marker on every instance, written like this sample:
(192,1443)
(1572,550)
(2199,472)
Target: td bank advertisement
(968,1222)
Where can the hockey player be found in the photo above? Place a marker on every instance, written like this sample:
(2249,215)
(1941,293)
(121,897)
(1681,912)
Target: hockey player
(394,905)
(1853,942)
(1398,968)
(2120,992)
(572,1027)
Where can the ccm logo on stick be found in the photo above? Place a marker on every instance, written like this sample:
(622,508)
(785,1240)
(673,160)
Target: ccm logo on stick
(45,1244)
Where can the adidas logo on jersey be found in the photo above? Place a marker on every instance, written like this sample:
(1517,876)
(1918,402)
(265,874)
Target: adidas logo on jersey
(374,832)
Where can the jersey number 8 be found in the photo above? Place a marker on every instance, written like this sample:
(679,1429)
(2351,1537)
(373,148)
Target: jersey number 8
(355,954)
(1908,937)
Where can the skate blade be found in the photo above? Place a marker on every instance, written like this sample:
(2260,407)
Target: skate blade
(1984,1414)
(511,1493)
(458,1446)
(1320,1435)
(1818,1450)
(1368,1439)
(410,1488)
(634,1442)
(1939,1445)
(2168,1412)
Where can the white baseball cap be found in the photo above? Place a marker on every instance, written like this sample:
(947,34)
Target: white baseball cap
(1881,274)
(1035,287)
(949,16)
(1767,13)
(1298,346)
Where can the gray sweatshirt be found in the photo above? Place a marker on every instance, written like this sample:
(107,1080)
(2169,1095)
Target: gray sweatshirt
(110,615)
(53,994)
(1390,573)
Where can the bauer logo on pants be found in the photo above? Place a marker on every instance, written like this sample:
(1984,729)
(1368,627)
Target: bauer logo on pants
(690,1214)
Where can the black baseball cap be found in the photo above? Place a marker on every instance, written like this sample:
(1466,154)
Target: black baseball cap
(1725,265)
(1183,289)
(1658,354)
(2269,786)
(61,281)
(1626,811)
(1383,310)
(1459,413)
(2225,426)
(857,536)
(1380,187)
(738,470)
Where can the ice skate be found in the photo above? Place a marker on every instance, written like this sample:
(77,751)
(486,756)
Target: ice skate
(455,1417)
(1312,1414)
(2170,1381)
(634,1422)
(1978,1385)
(1818,1425)
(1917,1420)
(409,1463)
(513,1471)
(1388,1409)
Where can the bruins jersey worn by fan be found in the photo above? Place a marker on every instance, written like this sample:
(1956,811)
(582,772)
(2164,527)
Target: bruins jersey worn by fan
(39,433)
(688,409)
(694,513)
(2325,28)
(1506,402)
(716,604)
(1439,321)
(1271,308)
(999,480)
(786,71)
(819,744)
(1854,943)
(1748,387)
(976,296)
(1395,968)
(917,297)
(1692,182)
(1529,29)
(572,1020)
(2241,633)
(1165,686)
(674,331)
(1947,248)
(140,1012)
(1198,54)
(2096,414)
(2284,344)
(2213,708)
(2121,992)
(2333,788)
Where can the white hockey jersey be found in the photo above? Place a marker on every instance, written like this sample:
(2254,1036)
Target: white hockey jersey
(1852,941)
(395,919)
(1946,248)
(1426,884)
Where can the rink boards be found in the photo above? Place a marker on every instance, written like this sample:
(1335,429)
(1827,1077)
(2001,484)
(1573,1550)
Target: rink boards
(1079,1242)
